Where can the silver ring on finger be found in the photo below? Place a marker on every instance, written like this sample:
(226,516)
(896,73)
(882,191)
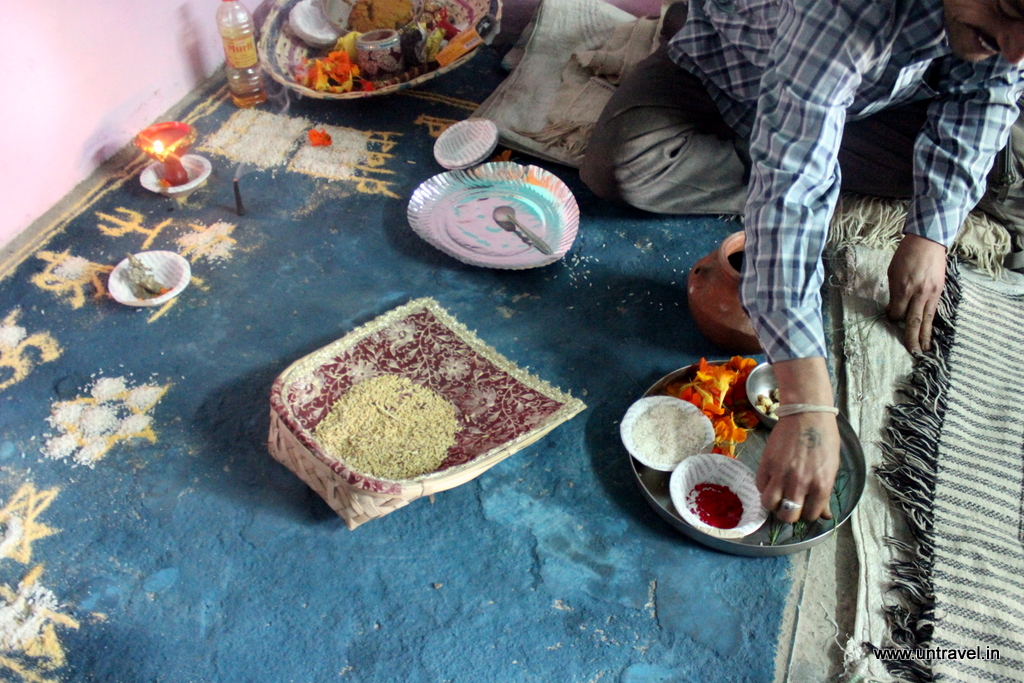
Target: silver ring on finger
(788,505)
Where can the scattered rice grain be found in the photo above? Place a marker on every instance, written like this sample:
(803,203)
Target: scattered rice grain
(14,532)
(61,447)
(134,424)
(72,268)
(23,617)
(108,388)
(66,413)
(92,451)
(97,420)
(144,397)
(11,336)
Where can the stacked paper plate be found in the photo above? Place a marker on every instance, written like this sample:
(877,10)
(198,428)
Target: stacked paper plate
(308,22)
(466,143)
(454,211)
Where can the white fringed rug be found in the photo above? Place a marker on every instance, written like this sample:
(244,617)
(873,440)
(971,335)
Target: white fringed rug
(955,465)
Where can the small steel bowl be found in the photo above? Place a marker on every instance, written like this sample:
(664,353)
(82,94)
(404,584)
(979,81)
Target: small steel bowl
(761,380)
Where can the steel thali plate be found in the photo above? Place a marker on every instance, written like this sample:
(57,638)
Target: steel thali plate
(775,537)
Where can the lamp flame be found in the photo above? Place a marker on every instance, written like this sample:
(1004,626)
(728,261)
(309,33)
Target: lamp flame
(167,143)
(162,140)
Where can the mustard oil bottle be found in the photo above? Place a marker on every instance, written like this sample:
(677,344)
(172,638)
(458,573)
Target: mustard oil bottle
(242,65)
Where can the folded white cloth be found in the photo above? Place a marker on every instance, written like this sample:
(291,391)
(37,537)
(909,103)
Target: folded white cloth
(548,117)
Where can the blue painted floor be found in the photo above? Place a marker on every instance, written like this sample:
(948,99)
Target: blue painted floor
(186,553)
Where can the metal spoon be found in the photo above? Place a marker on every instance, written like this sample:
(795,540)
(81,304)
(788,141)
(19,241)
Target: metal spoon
(505,217)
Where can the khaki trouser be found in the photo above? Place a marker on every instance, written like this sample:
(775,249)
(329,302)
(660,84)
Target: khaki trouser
(661,145)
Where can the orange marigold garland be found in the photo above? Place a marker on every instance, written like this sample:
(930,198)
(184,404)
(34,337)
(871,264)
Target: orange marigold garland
(720,391)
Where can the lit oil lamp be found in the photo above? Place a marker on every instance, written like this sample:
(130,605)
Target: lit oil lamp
(172,172)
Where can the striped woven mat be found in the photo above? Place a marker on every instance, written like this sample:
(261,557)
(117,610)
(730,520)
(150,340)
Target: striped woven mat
(954,464)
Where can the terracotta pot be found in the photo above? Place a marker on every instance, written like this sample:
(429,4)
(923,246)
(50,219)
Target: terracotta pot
(713,293)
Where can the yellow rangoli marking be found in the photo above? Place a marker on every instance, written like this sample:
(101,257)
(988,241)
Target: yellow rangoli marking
(68,276)
(468,105)
(129,222)
(29,616)
(16,358)
(435,126)
(18,519)
(354,155)
(91,425)
(208,106)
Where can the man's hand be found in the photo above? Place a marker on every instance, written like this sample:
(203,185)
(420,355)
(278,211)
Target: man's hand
(917,274)
(801,458)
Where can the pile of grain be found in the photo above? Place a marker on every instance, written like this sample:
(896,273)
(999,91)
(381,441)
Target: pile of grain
(389,427)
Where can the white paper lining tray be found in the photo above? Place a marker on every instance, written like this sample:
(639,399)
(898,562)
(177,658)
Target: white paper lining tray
(654,486)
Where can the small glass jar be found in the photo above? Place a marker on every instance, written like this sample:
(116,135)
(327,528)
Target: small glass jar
(379,54)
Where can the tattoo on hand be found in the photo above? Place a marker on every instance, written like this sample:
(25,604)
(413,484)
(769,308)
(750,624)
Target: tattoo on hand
(811,438)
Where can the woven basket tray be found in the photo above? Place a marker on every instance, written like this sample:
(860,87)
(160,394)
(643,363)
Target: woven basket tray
(281,51)
(501,409)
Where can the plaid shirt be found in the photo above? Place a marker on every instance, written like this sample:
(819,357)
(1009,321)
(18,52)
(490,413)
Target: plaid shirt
(789,73)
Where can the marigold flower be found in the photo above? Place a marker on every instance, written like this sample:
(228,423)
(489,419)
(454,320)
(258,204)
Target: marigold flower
(719,391)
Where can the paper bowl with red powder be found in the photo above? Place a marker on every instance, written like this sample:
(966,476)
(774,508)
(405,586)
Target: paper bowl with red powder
(717,495)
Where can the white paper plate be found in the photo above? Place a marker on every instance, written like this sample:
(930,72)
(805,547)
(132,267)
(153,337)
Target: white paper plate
(169,269)
(198,169)
(335,13)
(453,212)
(308,22)
(466,143)
(712,468)
(641,408)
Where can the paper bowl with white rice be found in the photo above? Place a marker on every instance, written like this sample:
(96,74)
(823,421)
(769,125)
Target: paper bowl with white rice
(662,431)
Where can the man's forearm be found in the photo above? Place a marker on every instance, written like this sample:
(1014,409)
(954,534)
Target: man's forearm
(801,457)
(804,380)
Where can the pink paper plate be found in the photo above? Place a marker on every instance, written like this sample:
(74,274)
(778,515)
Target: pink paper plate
(453,211)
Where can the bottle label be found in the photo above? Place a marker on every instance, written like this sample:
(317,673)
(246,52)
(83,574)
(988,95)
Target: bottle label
(240,52)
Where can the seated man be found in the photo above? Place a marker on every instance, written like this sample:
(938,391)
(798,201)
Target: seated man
(768,108)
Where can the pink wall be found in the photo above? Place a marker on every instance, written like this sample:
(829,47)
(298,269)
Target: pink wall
(81,78)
